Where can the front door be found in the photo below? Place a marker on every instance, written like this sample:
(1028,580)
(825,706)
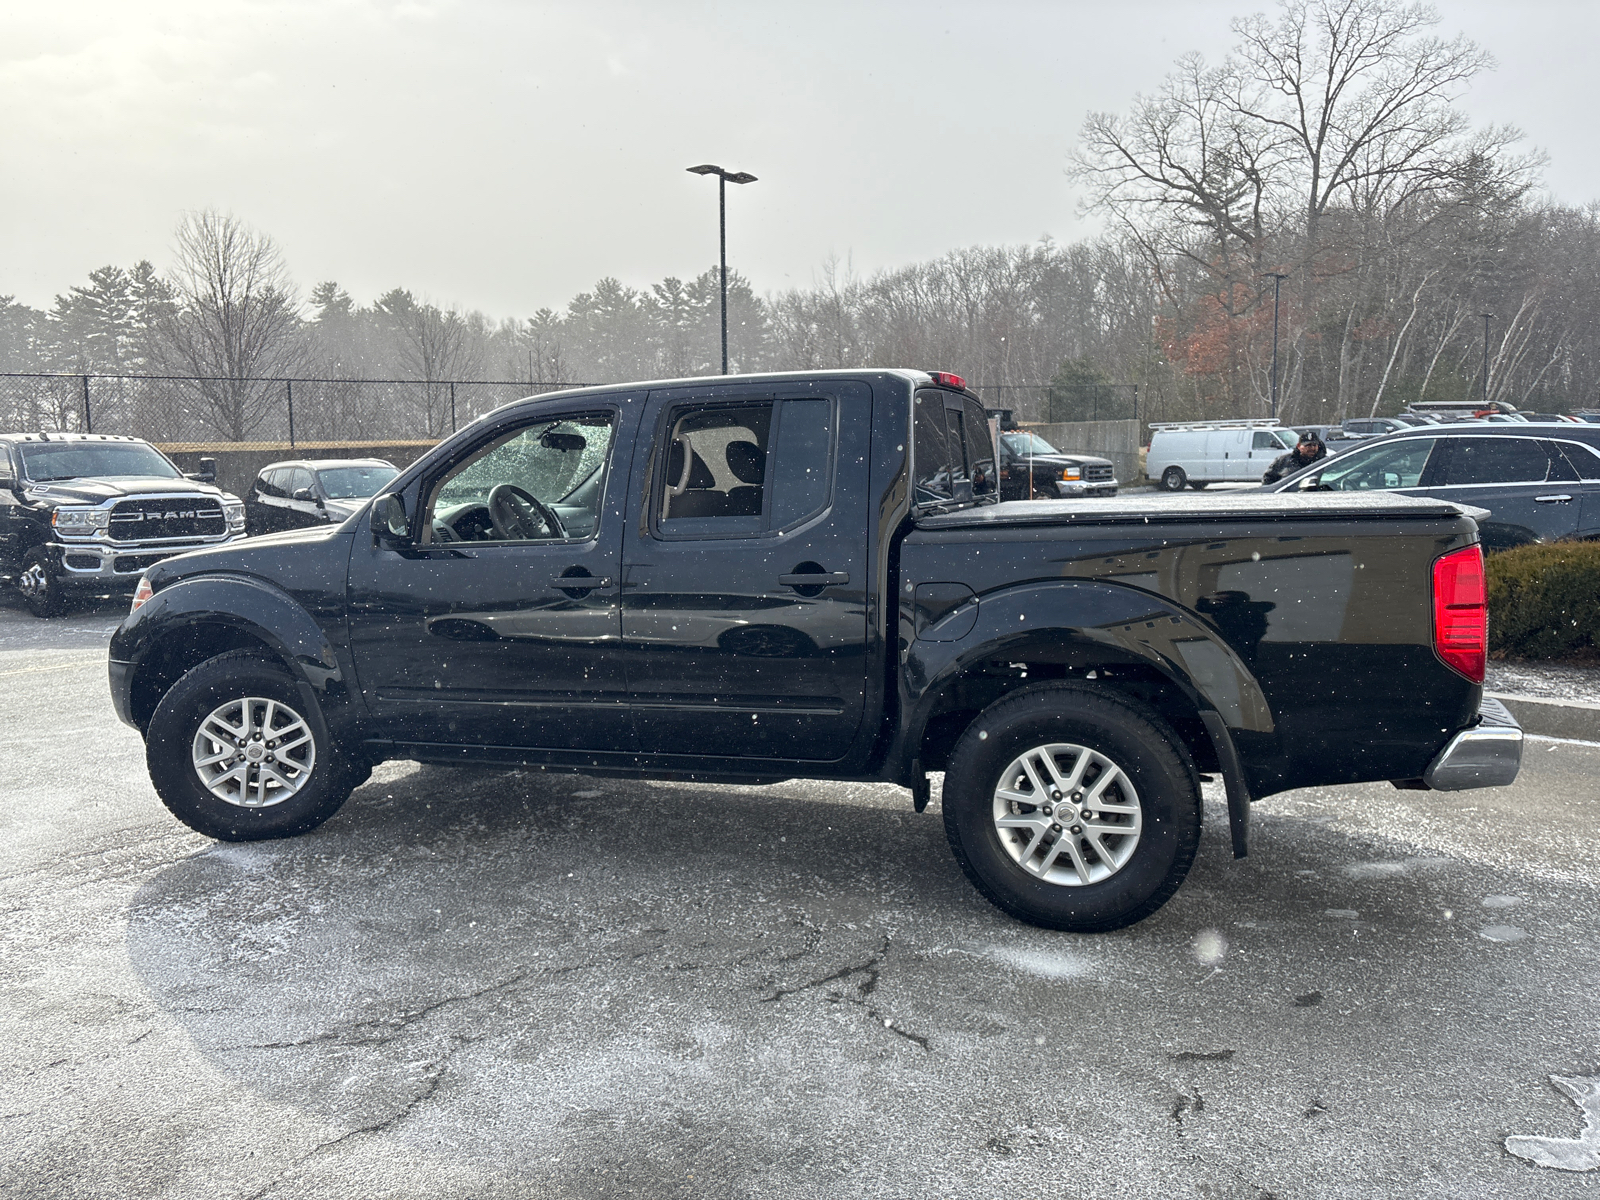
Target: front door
(499,624)
(744,616)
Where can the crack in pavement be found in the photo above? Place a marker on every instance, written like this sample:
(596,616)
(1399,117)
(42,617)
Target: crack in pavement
(872,968)
(389,1027)
(1186,1103)
(433,1075)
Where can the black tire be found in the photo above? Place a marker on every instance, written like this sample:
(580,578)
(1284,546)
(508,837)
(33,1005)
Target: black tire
(1173,479)
(170,752)
(39,581)
(1198,485)
(1151,759)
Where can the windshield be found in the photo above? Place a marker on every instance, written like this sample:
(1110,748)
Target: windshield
(354,483)
(45,461)
(1024,444)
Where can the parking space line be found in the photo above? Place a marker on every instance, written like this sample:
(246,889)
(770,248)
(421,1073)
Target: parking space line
(97,660)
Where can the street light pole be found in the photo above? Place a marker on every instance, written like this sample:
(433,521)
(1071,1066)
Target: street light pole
(1277,287)
(1486,317)
(724,178)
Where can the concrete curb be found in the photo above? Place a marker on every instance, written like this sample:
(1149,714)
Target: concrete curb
(1553,718)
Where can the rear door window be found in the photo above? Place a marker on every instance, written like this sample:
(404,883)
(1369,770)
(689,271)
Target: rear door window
(745,469)
(1490,460)
(801,468)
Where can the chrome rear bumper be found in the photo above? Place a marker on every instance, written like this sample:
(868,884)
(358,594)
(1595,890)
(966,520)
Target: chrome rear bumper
(1487,755)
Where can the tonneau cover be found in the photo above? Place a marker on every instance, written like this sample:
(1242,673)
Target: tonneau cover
(1189,507)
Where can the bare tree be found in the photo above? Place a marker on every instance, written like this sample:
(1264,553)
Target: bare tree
(235,325)
(1319,124)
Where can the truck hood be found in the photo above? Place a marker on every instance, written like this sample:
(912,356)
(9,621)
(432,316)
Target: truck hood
(1187,508)
(265,555)
(1057,460)
(97,491)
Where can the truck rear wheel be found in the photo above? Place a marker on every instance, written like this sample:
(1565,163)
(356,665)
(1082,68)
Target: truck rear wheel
(238,754)
(1072,809)
(1173,479)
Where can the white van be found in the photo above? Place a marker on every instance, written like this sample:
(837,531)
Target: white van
(1200,452)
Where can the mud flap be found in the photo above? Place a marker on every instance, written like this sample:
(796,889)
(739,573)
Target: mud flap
(1232,779)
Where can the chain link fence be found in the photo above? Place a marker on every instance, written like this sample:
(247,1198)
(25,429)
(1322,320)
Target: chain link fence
(163,408)
(1046,403)
(178,409)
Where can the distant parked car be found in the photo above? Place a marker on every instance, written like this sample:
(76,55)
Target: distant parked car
(1195,453)
(1539,481)
(297,495)
(1373,426)
(1327,434)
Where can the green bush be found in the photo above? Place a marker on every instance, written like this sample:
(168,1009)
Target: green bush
(1544,600)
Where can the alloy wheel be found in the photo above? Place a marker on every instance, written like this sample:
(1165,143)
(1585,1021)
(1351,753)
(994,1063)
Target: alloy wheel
(254,752)
(1067,814)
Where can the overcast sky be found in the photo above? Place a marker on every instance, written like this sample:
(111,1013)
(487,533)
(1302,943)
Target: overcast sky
(504,156)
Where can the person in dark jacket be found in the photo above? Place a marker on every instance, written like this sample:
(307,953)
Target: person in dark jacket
(1308,450)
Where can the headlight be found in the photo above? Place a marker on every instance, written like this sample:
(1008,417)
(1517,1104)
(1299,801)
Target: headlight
(1069,472)
(234,511)
(81,520)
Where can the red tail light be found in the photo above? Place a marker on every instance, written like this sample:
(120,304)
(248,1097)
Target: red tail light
(142,593)
(1461,611)
(945,379)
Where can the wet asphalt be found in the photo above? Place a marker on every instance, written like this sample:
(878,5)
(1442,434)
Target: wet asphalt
(513,984)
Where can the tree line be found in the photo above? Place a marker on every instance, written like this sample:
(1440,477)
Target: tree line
(1320,182)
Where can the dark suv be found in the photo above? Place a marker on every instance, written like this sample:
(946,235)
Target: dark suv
(1539,481)
(304,494)
(89,512)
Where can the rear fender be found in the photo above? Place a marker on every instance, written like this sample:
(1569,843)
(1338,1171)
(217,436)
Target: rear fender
(1127,620)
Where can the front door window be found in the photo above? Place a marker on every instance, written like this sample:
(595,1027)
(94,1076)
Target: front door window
(1396,465)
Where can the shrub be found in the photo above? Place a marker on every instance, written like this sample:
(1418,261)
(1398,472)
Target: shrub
(1544,600)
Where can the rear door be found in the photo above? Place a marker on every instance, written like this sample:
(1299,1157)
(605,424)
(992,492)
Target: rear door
(1527,484)
(1585,463)
(744,615)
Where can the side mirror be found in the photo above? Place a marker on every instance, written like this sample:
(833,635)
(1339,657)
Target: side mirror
(305,494)
(208,470)
(389,524)
(9,483)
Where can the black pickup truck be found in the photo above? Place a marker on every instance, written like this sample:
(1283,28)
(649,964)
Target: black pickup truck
(763,577)
(88,512)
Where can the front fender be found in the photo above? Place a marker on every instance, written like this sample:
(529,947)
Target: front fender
(1088,616)
(248,605)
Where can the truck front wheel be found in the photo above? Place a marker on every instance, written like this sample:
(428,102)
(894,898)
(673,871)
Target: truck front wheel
(1072,809)
(237,753)
(40,584)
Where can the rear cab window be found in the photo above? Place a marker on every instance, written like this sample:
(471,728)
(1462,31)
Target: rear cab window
(952,457)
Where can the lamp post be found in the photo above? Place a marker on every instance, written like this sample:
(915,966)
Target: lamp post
(1486,317)
(1277,287)
(724,178)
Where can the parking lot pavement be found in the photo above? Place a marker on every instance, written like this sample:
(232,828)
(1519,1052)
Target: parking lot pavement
(514,984)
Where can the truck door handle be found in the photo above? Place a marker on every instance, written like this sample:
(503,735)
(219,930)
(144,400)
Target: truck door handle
(816,579)
(1549,499)
(580,583)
